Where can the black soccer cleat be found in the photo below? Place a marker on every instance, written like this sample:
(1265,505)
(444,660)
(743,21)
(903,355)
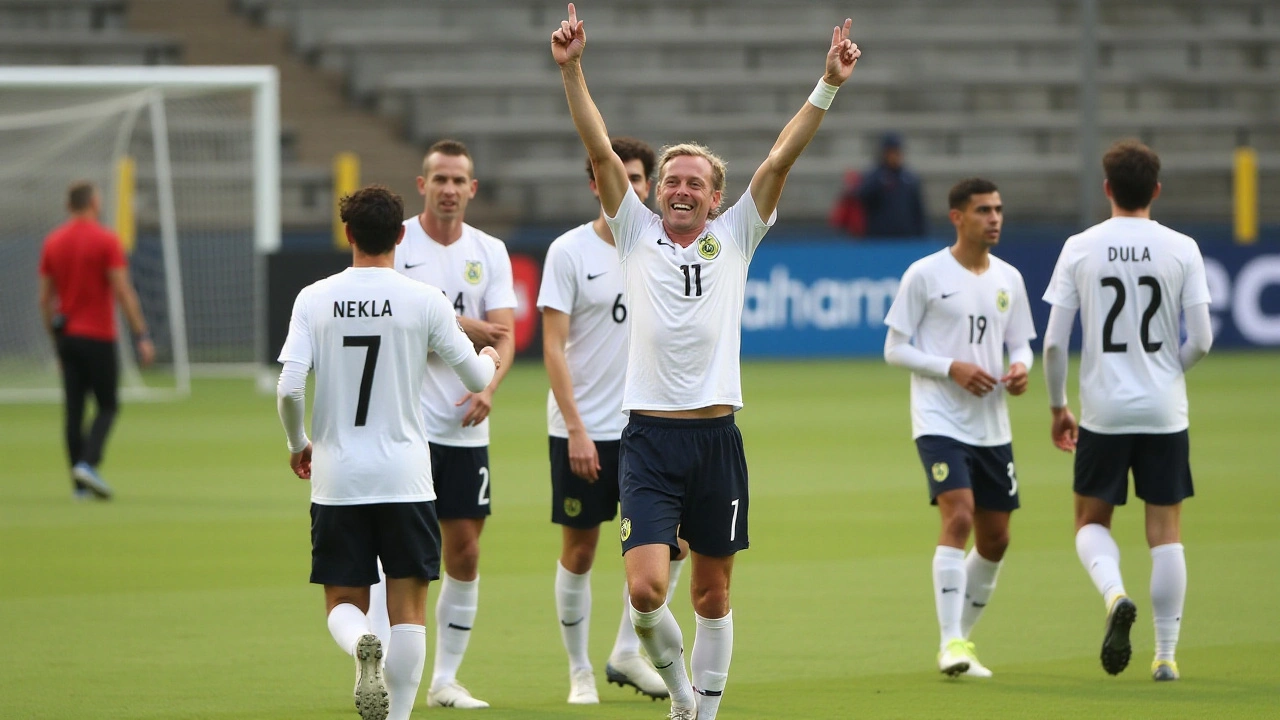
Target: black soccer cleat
(1115,643)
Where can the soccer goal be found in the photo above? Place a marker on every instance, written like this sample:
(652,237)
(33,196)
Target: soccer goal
(187,160)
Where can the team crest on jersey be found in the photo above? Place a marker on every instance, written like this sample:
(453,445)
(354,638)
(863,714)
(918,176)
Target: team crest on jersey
(1002,300)
(572,507)
(626,528)
(940,471)
(708,247)
(474,272)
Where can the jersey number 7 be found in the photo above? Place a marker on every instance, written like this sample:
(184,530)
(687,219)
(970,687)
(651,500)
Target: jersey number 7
(372,343)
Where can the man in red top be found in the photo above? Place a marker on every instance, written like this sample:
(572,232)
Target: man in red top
(82,274)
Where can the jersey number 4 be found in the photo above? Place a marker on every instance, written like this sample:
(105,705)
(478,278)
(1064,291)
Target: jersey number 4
(1144,333)
(371,343)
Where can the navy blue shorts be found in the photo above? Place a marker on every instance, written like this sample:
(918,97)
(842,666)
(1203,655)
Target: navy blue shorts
(953,465)
(1161,465)
(347,540)
(577,502)
(461,477)
(687,477)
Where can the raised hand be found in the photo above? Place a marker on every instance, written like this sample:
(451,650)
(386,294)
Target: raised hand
(570,40)
(842,56)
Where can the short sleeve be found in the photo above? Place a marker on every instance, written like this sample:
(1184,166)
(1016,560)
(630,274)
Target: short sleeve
(745,224)
(501,291)
(115,251)
(1062,286)
(629,224)
(559,281)
(1021,327)
(297,346)
(1195,284)
(909,305)
(444,331)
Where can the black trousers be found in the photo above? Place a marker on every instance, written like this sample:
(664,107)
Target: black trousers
(88,366)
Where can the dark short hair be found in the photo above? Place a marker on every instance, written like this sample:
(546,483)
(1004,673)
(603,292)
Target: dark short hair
(958,198)
(629,148)
(80,195)
(1132,171)
(453,148)
(374,215)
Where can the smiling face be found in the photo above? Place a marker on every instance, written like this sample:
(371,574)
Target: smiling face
(446,185)
(687,193)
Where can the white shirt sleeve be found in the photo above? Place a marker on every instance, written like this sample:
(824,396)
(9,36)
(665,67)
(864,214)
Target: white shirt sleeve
(746,226)
(899,352)
(1057,339)
(501,290)
(446,338)
(1195,283)
(629,224)
(559,281)
(908,307)
(297,345)
(1062,290)
(291,401)
(1021,329)
(1199,335)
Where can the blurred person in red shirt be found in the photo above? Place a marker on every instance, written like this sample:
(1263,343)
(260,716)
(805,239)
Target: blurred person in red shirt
(83,273)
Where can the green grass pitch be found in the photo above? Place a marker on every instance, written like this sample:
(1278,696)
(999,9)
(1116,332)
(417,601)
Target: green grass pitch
(186,597)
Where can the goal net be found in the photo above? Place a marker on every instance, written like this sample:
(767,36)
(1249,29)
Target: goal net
(187,164)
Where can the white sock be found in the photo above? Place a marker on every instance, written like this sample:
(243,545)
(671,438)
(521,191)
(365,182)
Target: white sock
(627,643)
(406,654)
(1101,557)
(573,606)
(379,622)
(712,651)
(948,591)
(455,614)
(673,578)
(346,625)
(1168,591)
(980,581)
(660,635)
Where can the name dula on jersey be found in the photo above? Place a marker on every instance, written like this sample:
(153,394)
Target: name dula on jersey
(367,333)
(950,311)
(474,272)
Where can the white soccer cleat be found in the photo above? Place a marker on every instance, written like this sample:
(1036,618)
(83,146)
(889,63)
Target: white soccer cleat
(977,669)
(582,688)
(955,658)
(371,688)
(453,695)
(633,670)
(683,713)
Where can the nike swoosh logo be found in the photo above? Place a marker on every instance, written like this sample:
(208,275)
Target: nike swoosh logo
(571,624)
(593,277)
(944,295)
(407,266)
(950,590)
(665,243)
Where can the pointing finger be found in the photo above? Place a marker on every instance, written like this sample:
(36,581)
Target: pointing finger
(848,23)
(573,15)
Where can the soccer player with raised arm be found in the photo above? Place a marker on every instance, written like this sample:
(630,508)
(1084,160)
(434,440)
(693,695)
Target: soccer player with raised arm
(367,332)
(473,270)
(1133,280)
(584,345)
(682,466)
(956,312)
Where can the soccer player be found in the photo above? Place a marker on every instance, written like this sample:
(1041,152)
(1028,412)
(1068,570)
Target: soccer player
(956,312)
(584,345)
(682,466)
(83,274)
(473,270)
(367,332)
(1131,279)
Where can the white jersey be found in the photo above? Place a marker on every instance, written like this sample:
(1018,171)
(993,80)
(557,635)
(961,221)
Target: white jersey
(1130,278)
(952,312)
(475,274)
(685,305)
(367,333)
(583,279)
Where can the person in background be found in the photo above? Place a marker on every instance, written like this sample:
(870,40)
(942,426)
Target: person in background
(891,194)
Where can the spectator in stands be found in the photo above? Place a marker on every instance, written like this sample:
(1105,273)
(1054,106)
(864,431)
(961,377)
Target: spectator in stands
(848,214)
(891,195)
(83,274)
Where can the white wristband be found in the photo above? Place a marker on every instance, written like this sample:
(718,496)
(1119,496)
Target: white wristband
(822,95)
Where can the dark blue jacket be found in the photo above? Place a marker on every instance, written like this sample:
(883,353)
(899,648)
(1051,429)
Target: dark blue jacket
(893,203)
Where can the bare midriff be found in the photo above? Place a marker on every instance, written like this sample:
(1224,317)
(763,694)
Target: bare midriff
(702,413)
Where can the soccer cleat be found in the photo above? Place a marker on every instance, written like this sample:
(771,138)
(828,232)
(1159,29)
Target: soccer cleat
(683,713)
(453,695)
(1115,643)
(88,477)
(976,669)
(637,672)
(955,658)
(582,687)
(371,688)
(1164,671)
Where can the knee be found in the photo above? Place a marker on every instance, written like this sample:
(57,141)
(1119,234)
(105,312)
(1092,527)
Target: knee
(462,561)
(711,601)
(958,524)
(647,594)
(578,558)
(992,546)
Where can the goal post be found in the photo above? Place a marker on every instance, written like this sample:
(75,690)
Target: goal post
(187,160)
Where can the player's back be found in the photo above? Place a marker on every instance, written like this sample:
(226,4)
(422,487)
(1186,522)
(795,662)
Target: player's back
(371,330)
(1131,278)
